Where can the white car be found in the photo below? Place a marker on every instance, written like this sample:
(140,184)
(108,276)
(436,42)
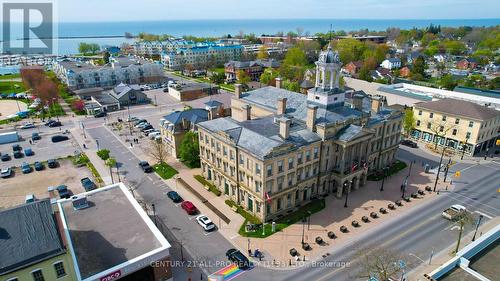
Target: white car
(153,134)
(27,126)
(205,222)
(132,119)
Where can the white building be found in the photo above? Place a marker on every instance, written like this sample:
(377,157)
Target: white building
(130,70)
(201,54)
(391,63)
(156,48)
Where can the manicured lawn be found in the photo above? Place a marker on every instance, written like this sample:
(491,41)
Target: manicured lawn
(10,76)
(396,167)
(292,218)
(212,188)
(164,170)
(9,87)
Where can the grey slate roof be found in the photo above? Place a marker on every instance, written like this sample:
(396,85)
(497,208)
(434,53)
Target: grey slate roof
(195,116)
(260,136)
(350,132)
(28,234)
(460,108)
(213,103)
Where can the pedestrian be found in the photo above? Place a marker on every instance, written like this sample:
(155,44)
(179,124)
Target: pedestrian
(31,142)
(85,146)
(249,252)
(131,145)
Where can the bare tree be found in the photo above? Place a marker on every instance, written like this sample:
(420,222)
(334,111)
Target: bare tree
(158,151)
(440,129)
(379,262)
(465,218)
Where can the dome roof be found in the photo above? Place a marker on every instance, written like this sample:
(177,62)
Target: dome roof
(329,56)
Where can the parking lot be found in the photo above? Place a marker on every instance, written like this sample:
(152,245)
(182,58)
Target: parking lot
(14,189)
(43,150)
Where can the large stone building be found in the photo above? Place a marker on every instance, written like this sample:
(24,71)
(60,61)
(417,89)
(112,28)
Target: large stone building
(280,149)
(454,123)
(201,55)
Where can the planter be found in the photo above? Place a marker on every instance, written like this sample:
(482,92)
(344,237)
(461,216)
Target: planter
(206,187)
(331,235)
(383,211)
(355,223)
(414,195)
(391,206)
(319,240)
(306,246)
(365,219)
(407,199)
(428,188)
(234,208)
(421,192)
(399,203)
(293,252)
(343,229)
(373,215)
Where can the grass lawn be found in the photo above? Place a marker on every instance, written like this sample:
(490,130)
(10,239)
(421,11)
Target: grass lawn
(10,76)
(396,167)
(9,87)
(310,208)
(164,170)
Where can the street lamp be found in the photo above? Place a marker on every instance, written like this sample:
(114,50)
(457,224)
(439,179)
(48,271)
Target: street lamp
(384,171)
(346,194)
(447,168)
(439,168)
(403,187)
(477,226)
(154,212)
(463,148)
(303,228)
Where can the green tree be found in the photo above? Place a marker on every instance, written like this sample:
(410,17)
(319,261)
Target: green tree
(349,49)
(189,150)
(448,82)
(409,121)
(419,67)
(83,48)
(243,77)
(111,162)
(263,54)
(454,47)
(268,76)
(293,65)
(217,77)
(106,57)
(465,218)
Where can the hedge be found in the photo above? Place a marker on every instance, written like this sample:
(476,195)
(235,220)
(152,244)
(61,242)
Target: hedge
(211,187)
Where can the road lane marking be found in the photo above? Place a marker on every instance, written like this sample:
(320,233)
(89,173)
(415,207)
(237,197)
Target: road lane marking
(472,199)
(454,227)
(413,255)
(235,236)
(484,215)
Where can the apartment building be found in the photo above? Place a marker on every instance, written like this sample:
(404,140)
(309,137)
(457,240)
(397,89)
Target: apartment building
(201,55)
(459,125)
(281,149)
(123,69)
(156,48)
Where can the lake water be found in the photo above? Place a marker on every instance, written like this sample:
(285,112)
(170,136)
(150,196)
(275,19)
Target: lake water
(224,27)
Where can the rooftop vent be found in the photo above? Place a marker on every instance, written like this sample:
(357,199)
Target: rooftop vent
(79,202)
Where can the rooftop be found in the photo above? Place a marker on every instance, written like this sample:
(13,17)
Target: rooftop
(28,234)
(113,231)
(460,108)
(195,116)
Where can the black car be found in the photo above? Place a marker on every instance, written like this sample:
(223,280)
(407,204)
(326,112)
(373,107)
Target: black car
(147,127)
(55,124)
(174,196)
(145,167)
(38,166)
(140,121)
(63,191)
(238,258)
(59,138)
(50,121)
(88,184)
(35,136)
(5,157)
(18,154)
(100,114)
(52,163)
(16,147)
(409,143)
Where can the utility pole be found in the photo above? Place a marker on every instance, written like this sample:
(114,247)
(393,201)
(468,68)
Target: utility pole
(346,194)
(439,168)
(463,148)
(447,168)
(477,226)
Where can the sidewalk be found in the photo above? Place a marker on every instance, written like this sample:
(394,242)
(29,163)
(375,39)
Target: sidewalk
(456,157)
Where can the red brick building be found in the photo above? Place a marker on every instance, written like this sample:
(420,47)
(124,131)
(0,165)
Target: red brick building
(353,67)
(404,72)
(467,63)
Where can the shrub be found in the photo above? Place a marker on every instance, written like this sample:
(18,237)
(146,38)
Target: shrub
(103,154)
(211,187)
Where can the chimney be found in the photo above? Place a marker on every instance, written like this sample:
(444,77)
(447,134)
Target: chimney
(281,106)
(311,116)
(246,112)
(284,127)
(278,82)
(238,89)
(376,103)
(357,101)
(185,124)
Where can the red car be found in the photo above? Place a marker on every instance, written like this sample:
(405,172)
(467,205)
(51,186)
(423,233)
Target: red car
(189,207)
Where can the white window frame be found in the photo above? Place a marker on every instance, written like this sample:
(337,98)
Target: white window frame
(38,269)
(54,267)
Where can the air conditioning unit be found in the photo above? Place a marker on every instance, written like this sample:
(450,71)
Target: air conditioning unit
(79,202)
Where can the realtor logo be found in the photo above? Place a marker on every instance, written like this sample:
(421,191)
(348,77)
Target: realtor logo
(27,27)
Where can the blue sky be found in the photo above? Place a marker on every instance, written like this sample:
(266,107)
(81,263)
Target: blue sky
(137,10)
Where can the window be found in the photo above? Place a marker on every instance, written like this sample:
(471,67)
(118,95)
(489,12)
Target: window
(454,132)
(441,128)
(258,185)
(59,268)
(269,187)
(257,168)
(269,170)
(299,158)
(290,163)
(37,275)
(12,279)
(278,204)
(231,155)
(224,150)
(420,112)
(316,150)
(308,155)
(242,159)
(290,180)
(418,123)
(467,136)
(280,181)
(471,124)
(457,121)
(280,166)
(431,115)
(444,118)
(429,125)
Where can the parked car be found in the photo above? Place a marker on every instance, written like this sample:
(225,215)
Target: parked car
(152,135)
(132,119)
(409,143)
(52,163)
(55,124)
(38,166)
(142,125)
(16,147)
(28,152)
(50,121)
(189,207)
(147,127)
(18,154)
(146,132)
(5,157)
(27,126)
(35,136)
(63,191)
(238,258)
(100,114)
(59,138)
(6,172)
(174,196)
(30,198)
(88,184)
(205,223)
(146,168)
(137,122)
(26,168)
